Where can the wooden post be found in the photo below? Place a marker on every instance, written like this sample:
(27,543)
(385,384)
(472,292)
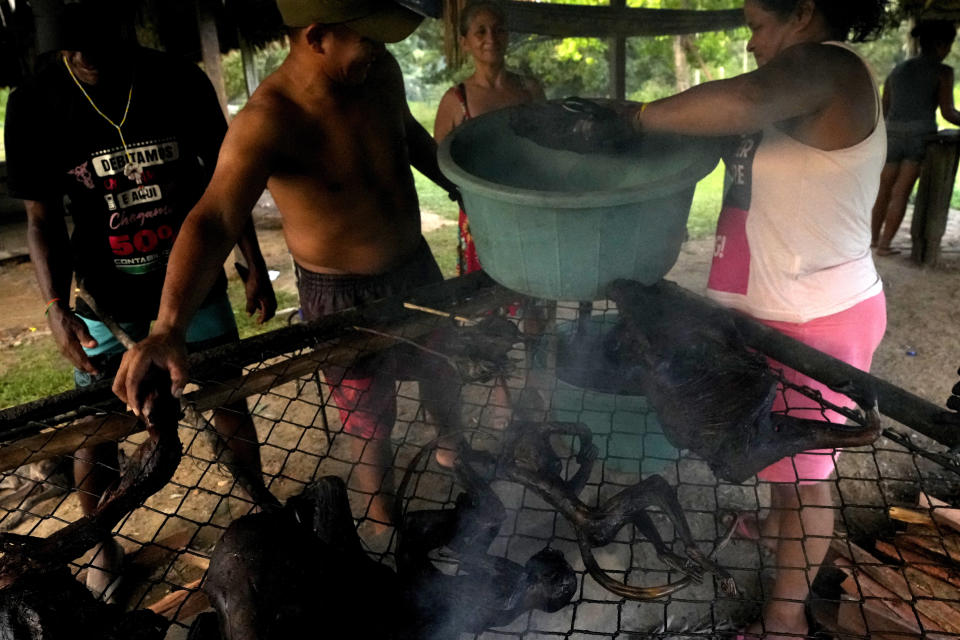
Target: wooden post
(937,175)
(249,65)
(618,60)
(210,48)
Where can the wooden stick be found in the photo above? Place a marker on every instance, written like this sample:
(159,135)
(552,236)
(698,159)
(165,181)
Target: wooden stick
(152,554)
(926,592)
(467,295)
(383,334)
(122,336)
(85,432)
(910,516)
(860,585)
(940,511)
(924,584)
(97,429)
(890,577)
(443,314)
(183,603)
(920,561)
(939,615)
(940,547)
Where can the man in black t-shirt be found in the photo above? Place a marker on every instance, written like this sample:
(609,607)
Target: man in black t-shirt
(126,139)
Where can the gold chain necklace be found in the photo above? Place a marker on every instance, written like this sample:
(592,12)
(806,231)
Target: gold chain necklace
(131,169)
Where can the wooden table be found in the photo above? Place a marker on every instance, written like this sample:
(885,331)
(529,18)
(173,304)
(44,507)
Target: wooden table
(932,207)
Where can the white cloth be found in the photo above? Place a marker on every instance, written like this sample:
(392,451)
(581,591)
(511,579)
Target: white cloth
(793,240)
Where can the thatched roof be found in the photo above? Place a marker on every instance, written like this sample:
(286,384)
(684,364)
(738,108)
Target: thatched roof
(174,23)
(170,25)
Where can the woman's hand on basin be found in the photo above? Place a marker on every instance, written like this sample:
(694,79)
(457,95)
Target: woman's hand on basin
(598,123)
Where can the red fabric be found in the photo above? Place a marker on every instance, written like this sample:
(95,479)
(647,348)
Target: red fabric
(367,406)
(467,261)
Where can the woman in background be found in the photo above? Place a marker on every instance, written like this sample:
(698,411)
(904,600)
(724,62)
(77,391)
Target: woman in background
(911,95)
(483,34)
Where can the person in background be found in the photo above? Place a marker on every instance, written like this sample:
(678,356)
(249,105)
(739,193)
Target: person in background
(491,86)
(331,135)
(483,34)
(911,95)
(106,126)
(792,247)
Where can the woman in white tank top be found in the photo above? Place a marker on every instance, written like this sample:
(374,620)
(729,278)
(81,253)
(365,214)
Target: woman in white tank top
(793,240)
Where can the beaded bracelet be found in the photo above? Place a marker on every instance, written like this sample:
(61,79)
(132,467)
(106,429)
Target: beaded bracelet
(53,301)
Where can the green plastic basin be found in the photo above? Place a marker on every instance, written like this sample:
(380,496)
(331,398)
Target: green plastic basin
(561,225)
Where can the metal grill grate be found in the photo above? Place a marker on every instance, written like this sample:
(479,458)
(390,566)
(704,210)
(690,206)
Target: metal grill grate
(169,539)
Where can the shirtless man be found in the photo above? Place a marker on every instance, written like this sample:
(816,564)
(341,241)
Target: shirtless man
(330,134)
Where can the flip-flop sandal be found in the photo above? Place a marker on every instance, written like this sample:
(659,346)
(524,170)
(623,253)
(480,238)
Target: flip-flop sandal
(887,251)
(743,530)
(105,573)
(748,528)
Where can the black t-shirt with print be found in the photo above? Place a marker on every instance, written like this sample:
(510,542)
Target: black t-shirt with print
(57,145)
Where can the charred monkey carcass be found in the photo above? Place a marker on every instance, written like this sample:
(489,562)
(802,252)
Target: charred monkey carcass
(711,393)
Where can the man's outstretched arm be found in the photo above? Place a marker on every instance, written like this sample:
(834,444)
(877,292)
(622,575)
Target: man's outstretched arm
(208,234)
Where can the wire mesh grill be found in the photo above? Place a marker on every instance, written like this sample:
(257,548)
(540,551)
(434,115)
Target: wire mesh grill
(168,540)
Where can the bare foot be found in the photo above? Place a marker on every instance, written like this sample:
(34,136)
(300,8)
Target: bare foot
(500,408)
(104,574)
(379,512)
(448,448)
(887,251)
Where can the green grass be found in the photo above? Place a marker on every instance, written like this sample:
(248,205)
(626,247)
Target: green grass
(443,244)
(433,199)
(33,370)
(246,325)
(706,205)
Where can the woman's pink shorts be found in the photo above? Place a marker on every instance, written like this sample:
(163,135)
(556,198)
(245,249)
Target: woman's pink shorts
(852,336)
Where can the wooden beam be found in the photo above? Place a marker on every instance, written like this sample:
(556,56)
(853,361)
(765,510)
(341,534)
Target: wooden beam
(565,21)
(618,59)
(249,64)
(210,48)
(341,351)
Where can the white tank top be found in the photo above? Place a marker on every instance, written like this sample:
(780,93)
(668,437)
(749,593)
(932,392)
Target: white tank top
(793,239)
